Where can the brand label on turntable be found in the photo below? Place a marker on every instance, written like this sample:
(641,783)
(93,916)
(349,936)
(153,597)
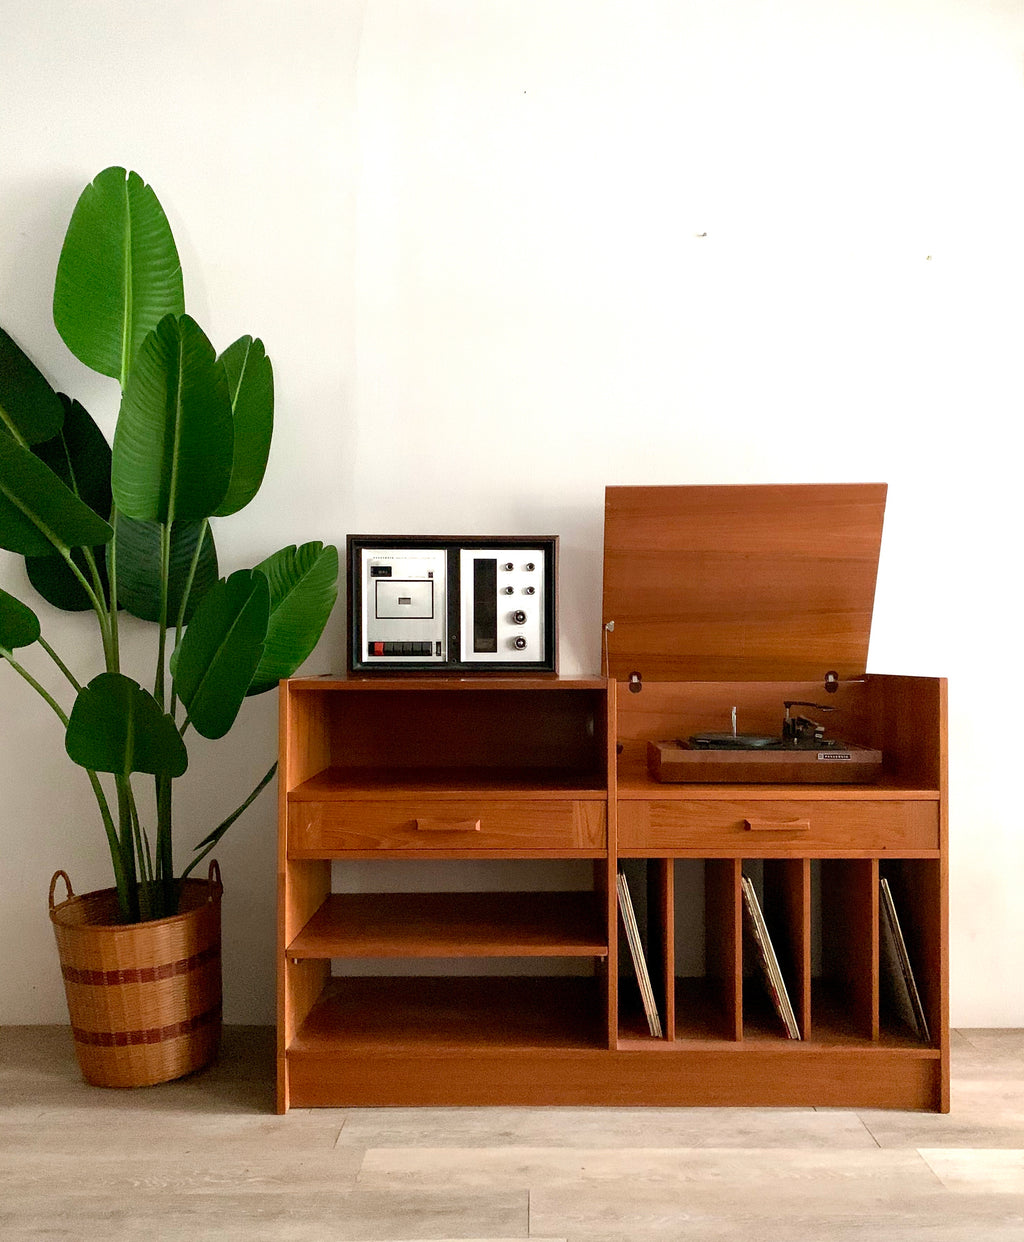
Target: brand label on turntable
(834,755)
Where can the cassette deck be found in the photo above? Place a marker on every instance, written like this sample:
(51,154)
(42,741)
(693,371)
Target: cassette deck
(477,603)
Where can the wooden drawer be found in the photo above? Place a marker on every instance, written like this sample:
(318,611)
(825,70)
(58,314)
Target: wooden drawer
(318,828)
(758,829)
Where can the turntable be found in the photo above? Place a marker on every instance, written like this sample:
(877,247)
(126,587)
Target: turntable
(801,754)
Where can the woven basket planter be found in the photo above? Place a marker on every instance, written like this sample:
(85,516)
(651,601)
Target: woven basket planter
(144,998)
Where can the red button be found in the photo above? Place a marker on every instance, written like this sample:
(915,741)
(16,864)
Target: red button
(378,648)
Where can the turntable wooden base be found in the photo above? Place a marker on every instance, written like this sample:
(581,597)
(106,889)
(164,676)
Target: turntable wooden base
(675,763)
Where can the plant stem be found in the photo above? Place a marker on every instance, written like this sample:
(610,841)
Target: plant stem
(127,848)
(142,854)
(165,572)
(164,823)
(39,689)
(120,877)
(98,605)
(164,844)
(115,639)
(210,841)
(94,571)
(184,598)
(60,664)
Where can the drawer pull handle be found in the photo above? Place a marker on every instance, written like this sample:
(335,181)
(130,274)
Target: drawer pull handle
(777,825)
(447,825)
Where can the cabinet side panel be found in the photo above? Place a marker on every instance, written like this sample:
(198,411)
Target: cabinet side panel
(303,750)
(942,930)
(905,718)
(305,743)
(723,938)
(605,871)
(607,968)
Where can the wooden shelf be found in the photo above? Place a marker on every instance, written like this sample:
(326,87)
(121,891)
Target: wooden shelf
(453,1015)
(432,684)
(339,783)
(890,792)
(533,924)
(635,783)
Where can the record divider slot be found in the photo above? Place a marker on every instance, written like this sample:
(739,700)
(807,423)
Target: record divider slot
(850,937)
(724,939)
(787,906)
(604,884)
(917,888)
(661,899)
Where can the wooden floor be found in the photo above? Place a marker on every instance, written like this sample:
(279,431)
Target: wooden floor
(205,1158)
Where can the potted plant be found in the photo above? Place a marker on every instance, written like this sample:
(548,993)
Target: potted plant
(127,527)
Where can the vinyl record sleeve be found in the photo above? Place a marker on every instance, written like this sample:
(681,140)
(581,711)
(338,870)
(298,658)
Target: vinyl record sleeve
(768,960)
(636,950)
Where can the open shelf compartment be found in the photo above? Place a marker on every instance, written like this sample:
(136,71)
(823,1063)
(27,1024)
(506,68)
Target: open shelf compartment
(454,1013)
(393,737)
(454,924)
(822,917)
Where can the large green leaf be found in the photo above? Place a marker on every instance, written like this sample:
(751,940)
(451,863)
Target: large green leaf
(55,582)
(117,726)
(251,384)
(303,589)
(138,567)
(214,663)
(28,405)
(173,443)
(37,512)
(79,456)
(19,625)
(118,273)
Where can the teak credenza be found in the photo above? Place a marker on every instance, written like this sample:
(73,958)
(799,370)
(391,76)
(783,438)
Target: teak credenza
(527,996)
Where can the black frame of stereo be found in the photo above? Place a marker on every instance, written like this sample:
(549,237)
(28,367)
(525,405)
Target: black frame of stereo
(548,544)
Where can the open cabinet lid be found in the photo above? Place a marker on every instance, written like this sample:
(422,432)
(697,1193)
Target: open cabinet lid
(740,583)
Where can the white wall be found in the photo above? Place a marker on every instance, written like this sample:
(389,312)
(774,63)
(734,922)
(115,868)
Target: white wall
(506,252)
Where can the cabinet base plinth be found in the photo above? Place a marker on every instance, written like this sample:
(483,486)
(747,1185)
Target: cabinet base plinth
(794,1078)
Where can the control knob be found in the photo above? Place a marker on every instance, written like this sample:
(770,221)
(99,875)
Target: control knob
(519,617)
(519,642)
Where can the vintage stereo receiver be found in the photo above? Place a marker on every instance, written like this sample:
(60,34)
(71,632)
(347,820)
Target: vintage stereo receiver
(476,604)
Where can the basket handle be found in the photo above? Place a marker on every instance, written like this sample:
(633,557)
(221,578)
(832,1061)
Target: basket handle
(216,884)
(58,875)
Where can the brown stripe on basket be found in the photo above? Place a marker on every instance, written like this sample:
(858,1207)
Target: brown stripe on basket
(153,1035)
(145,974)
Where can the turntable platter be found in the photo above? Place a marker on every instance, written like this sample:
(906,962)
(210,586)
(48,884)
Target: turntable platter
(732,741)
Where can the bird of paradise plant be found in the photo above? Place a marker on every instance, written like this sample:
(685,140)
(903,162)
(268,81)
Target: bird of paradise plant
(128,526)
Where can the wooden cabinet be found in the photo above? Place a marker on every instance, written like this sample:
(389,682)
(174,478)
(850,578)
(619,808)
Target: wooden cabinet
(550,1013)
(431,993)
(504,978)
(726,604)
(816,856)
